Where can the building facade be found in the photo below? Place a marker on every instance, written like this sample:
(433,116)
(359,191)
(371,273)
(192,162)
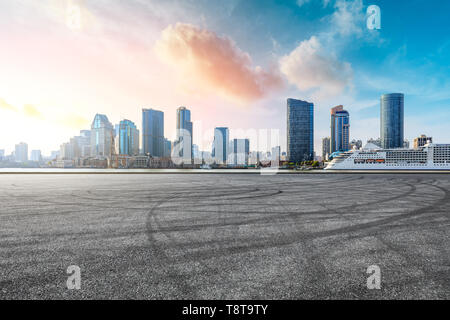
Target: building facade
(167,148)
(21,152)
(392,119)
(340,129)
(153,132)
(220,145)
(326,148)
(128,138)
(239,152)
(421,141)
(36,155)
(300,130)
(102,137)
(276,154)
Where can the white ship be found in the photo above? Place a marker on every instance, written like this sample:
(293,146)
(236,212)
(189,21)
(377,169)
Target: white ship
(371,157)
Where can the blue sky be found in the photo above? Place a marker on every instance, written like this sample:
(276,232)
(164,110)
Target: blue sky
(123,59)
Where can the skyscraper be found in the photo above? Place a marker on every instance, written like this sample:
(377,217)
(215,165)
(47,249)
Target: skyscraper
(153,132)
(392,114)
(184,133)
(128,138)
(220,145)
(240,150)
(340,129)
(102,137)
(21,152)
(300,130)
(326,148)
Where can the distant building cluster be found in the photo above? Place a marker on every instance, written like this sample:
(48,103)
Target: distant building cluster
(124,146)
(391,129)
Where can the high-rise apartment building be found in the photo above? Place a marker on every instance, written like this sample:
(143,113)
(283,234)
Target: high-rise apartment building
(392,118)
(153,132)
(300,130)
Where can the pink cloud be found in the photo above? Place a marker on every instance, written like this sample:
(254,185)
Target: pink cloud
(214,62)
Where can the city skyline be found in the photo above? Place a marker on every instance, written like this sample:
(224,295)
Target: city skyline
(55,75)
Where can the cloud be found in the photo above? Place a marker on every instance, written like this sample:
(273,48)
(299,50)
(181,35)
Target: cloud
(302,2)
(348,19)
(31,111)
(310,67)
(74,121)
(214,63)
(6,106)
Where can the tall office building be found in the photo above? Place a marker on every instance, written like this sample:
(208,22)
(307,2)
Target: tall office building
(102,137)
(21,152)
(153,132)
(220,145)
(184,134)
(340,129)
(300,130)
(239,152)
(128,138)
(421,141)
(326,148)
(392,114)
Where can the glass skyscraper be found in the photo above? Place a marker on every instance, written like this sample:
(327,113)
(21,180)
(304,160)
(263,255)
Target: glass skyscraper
(102,137)
(184,133)
(300,130)
(391,124)
(240,151)
(153,132)
(340,130)
(128,138)
(220,145)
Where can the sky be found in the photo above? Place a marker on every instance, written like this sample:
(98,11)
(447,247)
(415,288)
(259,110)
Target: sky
(233,63)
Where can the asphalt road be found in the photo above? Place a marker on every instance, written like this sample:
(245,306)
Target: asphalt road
(219,236)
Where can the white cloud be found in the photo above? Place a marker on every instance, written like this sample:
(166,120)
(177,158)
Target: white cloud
(310,67)
(348,19)
(302,2)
